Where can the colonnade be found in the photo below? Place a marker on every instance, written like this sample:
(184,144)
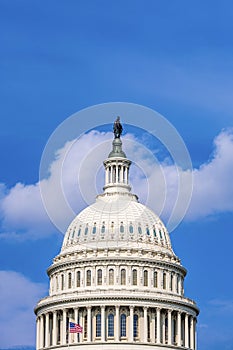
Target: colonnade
(117,324)
(128,276)
(116,174)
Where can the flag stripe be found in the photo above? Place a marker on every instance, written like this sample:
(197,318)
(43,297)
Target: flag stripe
(75,328)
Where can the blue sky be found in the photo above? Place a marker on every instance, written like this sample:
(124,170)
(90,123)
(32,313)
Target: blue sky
(58,57)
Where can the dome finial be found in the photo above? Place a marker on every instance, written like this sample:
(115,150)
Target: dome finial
(117,128)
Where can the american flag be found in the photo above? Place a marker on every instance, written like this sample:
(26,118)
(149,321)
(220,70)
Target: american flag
(75,328)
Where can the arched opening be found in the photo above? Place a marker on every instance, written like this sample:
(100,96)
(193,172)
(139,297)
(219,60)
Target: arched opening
(98,325)
(111,277)
(99,277)
(123,277)
(111,325)
(135,277)
(123,325)
(135,326)
(145,278)
(88,278)
(78,278)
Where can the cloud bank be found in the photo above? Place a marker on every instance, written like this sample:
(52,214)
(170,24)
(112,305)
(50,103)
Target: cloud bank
(18,296)
(77,169)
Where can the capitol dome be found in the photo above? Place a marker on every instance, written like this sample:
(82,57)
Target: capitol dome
(115,220)
(116,277)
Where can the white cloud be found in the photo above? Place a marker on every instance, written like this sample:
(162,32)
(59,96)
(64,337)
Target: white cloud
(76,176)
(213,186)
(18,297)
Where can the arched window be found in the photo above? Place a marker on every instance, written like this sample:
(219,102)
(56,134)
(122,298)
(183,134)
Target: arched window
(135,326)
(111,325)
(86,230)
(145,278)
(130,228)
(85,327)
(72,236)
(177,284)
(111,277)
(155,279)
(148,327)
(98,325)
(57,283)
(166,327)
(174,330)
(103,228)
(79,231)
(78,278)
(62,282)
(139,230)
(69,279)
(123,325)
(123,277)
(147,231)
(121,228)
(164,280)
(154,231)
(99,277)
(171,282)
(94,229)
(135,277)
(88,277)
(160,233)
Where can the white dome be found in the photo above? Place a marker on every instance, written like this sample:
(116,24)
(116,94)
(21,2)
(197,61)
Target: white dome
(116,277)
(116,220)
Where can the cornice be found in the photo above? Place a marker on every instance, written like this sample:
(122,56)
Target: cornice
(115,260)
(184,303)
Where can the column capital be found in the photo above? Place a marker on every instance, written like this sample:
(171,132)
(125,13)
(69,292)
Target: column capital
(145,307)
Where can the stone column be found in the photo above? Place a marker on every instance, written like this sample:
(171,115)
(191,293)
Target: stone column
(76,336)
(54,340)
(89,324)
(103,323)
(47,330)
(38,333)
(179,285)
(191,334)
(153,328)
(106,176)
(111,177)
(131,308)
(195,335)
(117,174)
(169,327)
(81,324)
(178,328)
(121,174)
(145,328)
(163,327)
(64,330)
(158,320)
(41,331)
(186,330)
(127,175)
(117,322)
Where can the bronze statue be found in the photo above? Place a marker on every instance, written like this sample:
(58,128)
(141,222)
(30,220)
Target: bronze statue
(117,128)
